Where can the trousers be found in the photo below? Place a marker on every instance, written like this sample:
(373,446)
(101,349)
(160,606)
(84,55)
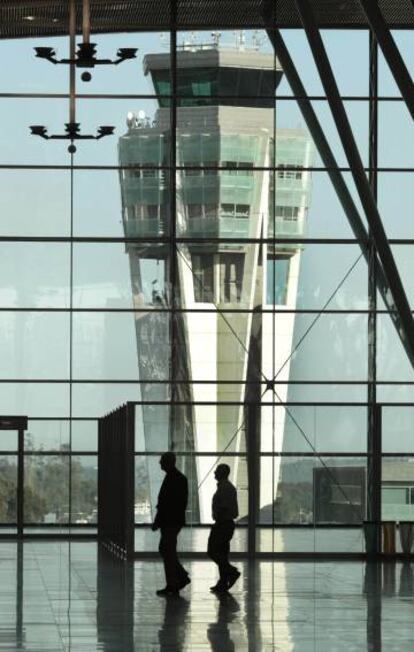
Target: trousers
(175,573)
(218,548)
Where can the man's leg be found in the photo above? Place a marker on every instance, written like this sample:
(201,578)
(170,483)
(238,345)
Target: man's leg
(232,573)
(168,552)
(218,550)
(181,574)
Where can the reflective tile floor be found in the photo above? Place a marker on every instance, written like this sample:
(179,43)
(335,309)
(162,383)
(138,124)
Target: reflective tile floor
(61,596)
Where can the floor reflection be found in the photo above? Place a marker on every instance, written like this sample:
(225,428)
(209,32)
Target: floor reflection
(172,633)
(77,597)
(218,632)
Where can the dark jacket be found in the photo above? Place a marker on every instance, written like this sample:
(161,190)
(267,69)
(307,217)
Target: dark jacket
(224,506)
(172,500)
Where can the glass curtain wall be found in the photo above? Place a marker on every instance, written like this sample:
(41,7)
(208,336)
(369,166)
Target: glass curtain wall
(196,261)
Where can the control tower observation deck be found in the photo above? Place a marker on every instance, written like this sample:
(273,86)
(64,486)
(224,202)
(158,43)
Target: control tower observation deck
(239,178)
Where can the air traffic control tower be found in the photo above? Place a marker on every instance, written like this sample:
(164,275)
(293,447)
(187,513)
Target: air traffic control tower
(225,118)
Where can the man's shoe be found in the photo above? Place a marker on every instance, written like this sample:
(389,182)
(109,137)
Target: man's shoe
(232,578)
(184,582)
(220,587)
(167,591)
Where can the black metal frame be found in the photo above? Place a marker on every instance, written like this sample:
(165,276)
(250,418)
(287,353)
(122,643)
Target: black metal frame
(116,472)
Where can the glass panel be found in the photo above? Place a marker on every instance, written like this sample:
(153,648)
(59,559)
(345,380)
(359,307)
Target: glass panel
(19,146)
(118,276)
(193,428)
(326,217)
(289,116)
(35,203)
(130,76)
(342,46)
(331,276)
(123,145)
(34,345)
(394,206)
(396,135)
(8,440)
(348,55)
(84,474)
(334,348)
(34,275)
(46,489)
(84,435)
(403,258)
(97,399)
(55,435)
(392,361)
(104,346)
(397,488)
(397,429)
(37,400)
(293,428)
(305,539)
(46,436)
(387,85)
(41,76)
(310,491)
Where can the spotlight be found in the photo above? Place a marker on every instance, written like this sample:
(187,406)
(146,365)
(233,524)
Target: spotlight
(86,76)
(126,53)
(46,53)
(105,130)
(39,130)
(86,55)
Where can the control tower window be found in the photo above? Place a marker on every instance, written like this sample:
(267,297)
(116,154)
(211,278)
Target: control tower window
(295,172)
(242,210)
(217,278)
(193,170)
(287,212)
(235,210)
(277,280)
(239,168)
(194,211)
(213,168)
(231,277)
(203,277)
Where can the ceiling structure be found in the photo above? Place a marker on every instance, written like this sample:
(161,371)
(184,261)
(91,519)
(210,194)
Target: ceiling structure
(32,18)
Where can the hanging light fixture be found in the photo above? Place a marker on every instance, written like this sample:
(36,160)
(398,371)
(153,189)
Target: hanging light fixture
(85,57)
(72,128)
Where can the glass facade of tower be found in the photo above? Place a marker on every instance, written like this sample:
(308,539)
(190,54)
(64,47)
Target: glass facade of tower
(198,262)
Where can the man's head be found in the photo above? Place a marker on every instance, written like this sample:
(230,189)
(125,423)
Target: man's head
(167,461)
(222,472)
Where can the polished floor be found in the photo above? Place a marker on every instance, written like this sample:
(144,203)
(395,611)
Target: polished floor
(61,596)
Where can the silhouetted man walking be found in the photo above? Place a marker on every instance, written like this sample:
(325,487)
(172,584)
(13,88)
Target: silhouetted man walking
(225,509)
(170,518)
